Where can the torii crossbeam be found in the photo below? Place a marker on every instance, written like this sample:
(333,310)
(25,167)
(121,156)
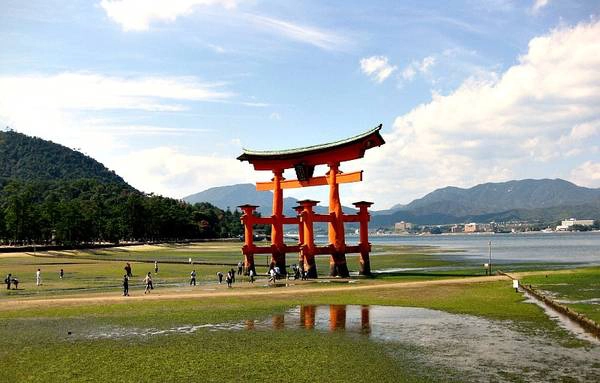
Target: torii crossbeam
(304,160)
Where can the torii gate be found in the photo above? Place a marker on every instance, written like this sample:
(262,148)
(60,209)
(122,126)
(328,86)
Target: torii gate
(304,160)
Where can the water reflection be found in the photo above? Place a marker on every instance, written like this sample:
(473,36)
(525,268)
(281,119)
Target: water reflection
(439,339)
(278,321)
(331,318)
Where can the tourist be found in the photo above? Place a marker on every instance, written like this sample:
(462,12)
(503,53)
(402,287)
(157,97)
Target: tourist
(220,277)
(272,275)
(61,274)
(251,274)
(148,283)
(240,267)
(190,260)
(38,277)
(155,267)
(232,271)
(229,278)
(193,278)
(128,270)
(15,282)
(8,280)
(125,285)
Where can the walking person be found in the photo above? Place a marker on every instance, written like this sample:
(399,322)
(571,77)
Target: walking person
(229,278)
(8,281)
(38,277)
(155,267)
(251,274)
(193,278)
(240,267)
(272,275)
(148,283)
(125,285)
(61,274)
(232,271)
(128,270)
(220,277)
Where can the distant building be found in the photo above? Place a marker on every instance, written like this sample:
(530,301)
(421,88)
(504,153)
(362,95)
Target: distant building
(456,229)
(567,223)
(403,227)
(471,227)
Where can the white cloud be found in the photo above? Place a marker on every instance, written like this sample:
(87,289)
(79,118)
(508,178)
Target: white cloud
(275,116)
(377,67)
(95,92)
(409,73)
(318,37)
(418,67)
(63,107)
(137,15)
(171,172)
(538,4)
(587,174)
(530,121)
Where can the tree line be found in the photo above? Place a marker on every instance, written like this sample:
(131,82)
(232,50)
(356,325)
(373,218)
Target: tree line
(67,212)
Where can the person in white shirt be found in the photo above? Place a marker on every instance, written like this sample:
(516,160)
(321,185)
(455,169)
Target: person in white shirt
(148,283)
(38,277)
(272,275)
(251,274)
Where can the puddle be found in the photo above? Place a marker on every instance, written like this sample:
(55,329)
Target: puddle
(592,301)
(459,343)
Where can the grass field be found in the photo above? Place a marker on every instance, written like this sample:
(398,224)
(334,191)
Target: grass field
(98,271)
(48,339)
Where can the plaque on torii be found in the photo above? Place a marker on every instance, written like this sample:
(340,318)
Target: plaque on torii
(303,161)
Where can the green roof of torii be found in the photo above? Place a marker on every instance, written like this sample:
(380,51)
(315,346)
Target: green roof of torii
(249,154)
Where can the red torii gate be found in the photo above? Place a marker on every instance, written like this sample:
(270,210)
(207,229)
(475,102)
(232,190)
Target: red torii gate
(304,160)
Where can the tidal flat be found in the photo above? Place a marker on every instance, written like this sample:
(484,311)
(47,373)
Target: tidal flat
(409,326)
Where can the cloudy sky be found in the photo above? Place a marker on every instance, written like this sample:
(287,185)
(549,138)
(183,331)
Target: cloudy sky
(167,93)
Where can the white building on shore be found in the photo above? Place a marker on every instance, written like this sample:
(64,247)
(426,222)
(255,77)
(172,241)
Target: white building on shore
(403,227)
(567,223)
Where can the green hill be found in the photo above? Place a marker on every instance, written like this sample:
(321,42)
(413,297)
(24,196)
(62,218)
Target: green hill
(28,158)
(50,194)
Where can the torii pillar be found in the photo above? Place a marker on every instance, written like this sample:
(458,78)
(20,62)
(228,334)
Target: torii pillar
(277,244)
(337,260)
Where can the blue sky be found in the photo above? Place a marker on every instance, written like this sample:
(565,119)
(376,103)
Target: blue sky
(166,93)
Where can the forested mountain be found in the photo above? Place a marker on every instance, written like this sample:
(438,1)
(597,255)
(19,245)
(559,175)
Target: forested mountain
(33,159)
(52,194)
(542,200)
(503,196)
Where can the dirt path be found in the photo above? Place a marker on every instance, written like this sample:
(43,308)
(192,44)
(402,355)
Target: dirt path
(174,294)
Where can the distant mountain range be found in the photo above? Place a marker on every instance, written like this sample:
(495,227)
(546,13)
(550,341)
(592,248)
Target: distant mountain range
(233,196)
(544,200)
(32,159)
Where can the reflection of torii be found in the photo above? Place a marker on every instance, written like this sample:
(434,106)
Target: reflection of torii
(337,318)
(304,160)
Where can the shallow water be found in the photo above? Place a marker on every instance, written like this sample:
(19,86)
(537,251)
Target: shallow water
(564,321)
(461,343)
(568,248)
